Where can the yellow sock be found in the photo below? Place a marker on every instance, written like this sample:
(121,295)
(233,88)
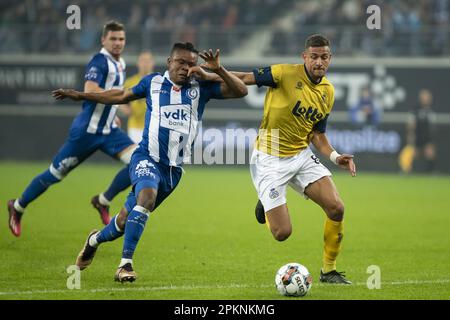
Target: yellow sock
(333,234)
(406,158)
(267,221)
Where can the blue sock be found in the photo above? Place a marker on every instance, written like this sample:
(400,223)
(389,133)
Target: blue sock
(133,230)
(37,187)
(120,182)
(110,232)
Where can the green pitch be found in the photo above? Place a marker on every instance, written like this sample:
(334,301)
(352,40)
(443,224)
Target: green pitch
(204,242)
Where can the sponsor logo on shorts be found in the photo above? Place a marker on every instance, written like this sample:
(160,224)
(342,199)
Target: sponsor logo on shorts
(67,164)
(144,168)
(315,159)
(273,193)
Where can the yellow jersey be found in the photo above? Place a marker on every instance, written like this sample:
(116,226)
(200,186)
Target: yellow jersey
(136,119)
(294,107)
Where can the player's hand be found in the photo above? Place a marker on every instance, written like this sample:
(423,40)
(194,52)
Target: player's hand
(199,73)
(212,61)
(61,94)
(345,161)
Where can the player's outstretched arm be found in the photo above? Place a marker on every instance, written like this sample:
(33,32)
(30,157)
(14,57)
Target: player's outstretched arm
(345,161)
(231,86)
(114,96)
(247,77)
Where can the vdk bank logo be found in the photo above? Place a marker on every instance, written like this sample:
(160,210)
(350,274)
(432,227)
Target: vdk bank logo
(176,117)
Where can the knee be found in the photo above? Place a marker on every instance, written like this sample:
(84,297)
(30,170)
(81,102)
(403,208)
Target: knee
(59,173)
(335,210)
(147,199)
(281,234)
(148,204)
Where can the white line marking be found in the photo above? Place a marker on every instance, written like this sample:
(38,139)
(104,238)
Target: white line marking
(230,286)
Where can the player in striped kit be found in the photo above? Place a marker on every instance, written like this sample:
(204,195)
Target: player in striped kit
(93,129)
(175,106)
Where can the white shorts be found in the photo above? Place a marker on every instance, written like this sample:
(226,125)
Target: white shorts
(271,175)
(135,134)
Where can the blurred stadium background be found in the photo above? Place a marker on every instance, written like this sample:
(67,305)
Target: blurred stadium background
(409,53)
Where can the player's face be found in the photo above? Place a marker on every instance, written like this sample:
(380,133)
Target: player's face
(179,64)
(114,42)
(425,97)
(317,60)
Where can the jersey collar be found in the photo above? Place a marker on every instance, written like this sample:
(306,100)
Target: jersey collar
(106,53)
(311,79)
(175,86)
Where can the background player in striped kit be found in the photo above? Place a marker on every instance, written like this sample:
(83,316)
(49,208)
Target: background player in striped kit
(175,106)
(93,129)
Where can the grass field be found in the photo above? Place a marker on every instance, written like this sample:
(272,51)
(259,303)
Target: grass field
(204,242)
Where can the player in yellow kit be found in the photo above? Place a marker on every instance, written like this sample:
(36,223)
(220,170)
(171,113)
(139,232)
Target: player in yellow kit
(296,108)
(135,110)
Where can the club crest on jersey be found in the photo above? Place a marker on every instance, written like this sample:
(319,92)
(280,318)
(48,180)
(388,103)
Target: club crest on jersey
(311,114)
(192,93)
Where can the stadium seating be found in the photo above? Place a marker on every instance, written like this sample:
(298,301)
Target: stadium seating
(412,28)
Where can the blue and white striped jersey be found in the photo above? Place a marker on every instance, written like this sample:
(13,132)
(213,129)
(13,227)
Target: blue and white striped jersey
(173,115)
(97,118)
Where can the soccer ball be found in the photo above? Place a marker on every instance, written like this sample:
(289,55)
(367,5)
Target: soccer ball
(293,280)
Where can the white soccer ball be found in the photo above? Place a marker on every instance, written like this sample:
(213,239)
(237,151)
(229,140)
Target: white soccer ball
(293,280)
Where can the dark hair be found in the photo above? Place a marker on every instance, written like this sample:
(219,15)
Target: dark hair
(184,46)
(112,26)
(316,40)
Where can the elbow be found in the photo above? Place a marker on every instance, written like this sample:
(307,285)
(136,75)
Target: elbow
(242,92)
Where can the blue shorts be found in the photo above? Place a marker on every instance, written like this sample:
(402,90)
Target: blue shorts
(147,173)
(78,148)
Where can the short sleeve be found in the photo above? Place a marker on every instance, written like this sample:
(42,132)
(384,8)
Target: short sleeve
(97,70)
(141,90)
(211,90)
(268,76)
(321,125)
